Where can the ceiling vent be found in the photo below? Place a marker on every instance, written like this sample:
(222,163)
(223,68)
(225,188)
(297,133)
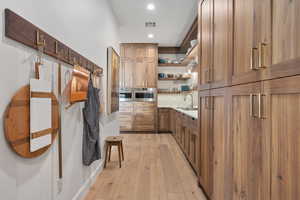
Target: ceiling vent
(150,24)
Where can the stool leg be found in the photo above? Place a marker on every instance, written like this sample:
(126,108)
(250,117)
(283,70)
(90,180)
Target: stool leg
(119,150)
(122,150)
(106,156)
(109,153)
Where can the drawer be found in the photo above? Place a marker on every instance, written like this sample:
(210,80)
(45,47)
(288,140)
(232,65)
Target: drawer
(126,121)
(142,107)
(126,107)
(144,118)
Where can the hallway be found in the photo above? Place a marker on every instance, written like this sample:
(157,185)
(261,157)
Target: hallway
(154,169)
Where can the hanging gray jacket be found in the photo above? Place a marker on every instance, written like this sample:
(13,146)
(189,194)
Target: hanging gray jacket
(91,139)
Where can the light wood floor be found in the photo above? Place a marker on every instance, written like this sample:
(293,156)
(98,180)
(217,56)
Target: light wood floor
(154,169)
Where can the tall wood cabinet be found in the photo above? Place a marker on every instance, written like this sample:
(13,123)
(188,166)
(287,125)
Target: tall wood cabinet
(280,113)
(215,35)
(251,153)
(138,65)
(249,99)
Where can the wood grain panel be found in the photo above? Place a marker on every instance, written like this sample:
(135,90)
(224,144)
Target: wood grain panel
(206,42)
(281,112)
(222,43)
(251,158)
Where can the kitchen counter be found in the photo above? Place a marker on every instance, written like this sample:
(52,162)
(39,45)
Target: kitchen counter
(190,113)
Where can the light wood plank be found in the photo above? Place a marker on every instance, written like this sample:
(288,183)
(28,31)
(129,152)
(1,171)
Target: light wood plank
(154,169)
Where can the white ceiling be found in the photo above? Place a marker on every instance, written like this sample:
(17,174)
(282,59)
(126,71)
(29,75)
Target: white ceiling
(173,19)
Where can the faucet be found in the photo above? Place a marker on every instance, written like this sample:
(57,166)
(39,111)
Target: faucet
(192,99)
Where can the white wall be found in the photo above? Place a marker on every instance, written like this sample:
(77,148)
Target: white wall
(88,27)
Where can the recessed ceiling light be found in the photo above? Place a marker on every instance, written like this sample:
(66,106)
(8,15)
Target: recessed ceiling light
(151,6)
(150,35)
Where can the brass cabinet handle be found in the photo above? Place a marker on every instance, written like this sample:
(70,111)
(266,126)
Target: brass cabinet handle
(262,55)
(251,105)
(252,114)
(207,76)
(252,61)
(206,103)
(260,106)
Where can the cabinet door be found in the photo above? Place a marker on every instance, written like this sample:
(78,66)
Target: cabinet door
(144,122)
(151,74)
(139,73)
(222,43)
(128,68)
(126,116)
(144,116)
(164,120)
(206,43)
(126,121)
(206,145)
(222,144)
(252,28)
(172,120)
(285,38)
(250,150)
(281,117)
(194,151)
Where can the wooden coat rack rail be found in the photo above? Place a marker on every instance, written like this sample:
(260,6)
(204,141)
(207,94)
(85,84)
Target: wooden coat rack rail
(21,30)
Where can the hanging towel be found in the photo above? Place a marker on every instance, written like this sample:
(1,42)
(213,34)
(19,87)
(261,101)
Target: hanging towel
(91,115)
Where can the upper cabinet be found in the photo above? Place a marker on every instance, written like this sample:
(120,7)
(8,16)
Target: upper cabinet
(215,33)
(138,65)
(252,39)
(206,42)
(286,30)
(285,39)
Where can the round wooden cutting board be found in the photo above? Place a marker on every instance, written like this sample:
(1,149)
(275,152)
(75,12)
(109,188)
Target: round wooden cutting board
(17,123)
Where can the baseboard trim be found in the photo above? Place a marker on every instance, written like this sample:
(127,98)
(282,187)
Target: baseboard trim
(88,183)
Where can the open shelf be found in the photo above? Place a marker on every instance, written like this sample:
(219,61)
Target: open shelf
(192,55)
(171,65)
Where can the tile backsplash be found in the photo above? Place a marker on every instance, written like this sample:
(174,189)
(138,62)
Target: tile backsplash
(176,100)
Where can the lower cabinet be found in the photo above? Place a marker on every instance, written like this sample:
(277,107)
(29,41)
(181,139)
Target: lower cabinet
(164,119)
(249,141)
(137,116)
(185,132)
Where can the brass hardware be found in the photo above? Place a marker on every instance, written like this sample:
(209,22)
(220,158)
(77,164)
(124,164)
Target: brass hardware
(56,47)
(252,61)
(207,76)
(75,61)
(206,102)
(260,106)
(251,105)
(40,41)
(262,55)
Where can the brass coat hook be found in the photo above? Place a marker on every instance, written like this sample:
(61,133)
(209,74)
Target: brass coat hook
(40,41)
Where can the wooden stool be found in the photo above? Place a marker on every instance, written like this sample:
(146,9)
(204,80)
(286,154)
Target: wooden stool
(114,141)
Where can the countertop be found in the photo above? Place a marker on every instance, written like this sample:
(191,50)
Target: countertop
(191,113)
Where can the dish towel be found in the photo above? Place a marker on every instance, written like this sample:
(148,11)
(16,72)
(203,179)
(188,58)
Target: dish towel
(91,116)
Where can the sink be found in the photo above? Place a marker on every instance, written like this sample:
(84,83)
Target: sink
(188,109)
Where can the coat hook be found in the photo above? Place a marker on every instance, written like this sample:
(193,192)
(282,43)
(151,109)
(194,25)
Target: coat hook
(56,47)
(40,41)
